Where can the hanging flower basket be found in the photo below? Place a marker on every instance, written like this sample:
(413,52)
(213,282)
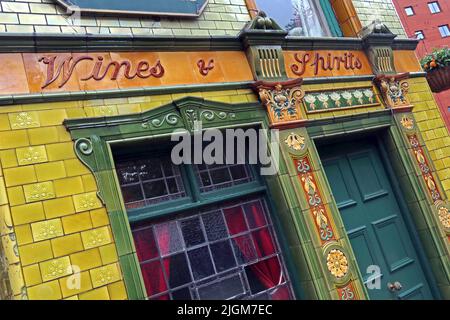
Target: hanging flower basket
(439,79)
(437,66)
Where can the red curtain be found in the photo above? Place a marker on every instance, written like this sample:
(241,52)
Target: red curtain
(146,249)
(267,271)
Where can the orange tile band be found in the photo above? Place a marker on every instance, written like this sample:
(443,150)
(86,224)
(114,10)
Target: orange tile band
(57,72)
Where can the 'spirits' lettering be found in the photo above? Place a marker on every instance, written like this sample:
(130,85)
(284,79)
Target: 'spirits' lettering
(326,62)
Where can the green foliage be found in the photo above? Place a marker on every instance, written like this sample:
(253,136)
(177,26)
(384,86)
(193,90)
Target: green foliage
(440,58)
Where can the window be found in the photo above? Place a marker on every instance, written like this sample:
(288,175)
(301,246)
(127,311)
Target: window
(419,35)
(212,248)
(298,17)
(444,30)
(409,11)
(434,7)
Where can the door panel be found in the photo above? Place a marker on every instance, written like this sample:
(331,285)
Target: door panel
(373,219)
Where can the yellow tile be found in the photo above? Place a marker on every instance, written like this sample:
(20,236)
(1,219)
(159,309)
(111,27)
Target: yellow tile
(44,135)
(3,193)
(45,291)
(117,291)
(55,268)
(99,217)
(86,260)
(109,254)
(75,167)
(86,201)
(13,139)
(9,251)
(16,278)
(52,117)
(4,122)
(27,213)
(6,225)
(23,120)
(63,134)
(47,229)
(31,155)
(96,237)
(23,234)
(77,222)
(68,186)
(16,196)
(75,113)
(97,294)
(35,252)
(39,191)
(50,171)
(105,275)
(60,151)
(67,245)
(58,207)
(89,183)
(8,158)
(18,176)
(32,275)
(75,284)
(72,298)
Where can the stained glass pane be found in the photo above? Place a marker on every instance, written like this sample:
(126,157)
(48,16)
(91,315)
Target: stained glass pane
(212,254)
(145,244)
(214,226)
(192,232)
(201,263)
(223,255)
(168,238)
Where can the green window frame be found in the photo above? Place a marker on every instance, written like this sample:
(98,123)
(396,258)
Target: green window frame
(95,139)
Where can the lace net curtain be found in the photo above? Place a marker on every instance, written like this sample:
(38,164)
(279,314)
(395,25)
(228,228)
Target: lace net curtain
(299,17)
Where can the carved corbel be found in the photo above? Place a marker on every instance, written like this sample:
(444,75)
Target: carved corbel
(282,99)
(394,89)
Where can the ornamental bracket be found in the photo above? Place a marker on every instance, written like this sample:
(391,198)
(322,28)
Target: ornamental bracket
(394,89)
(282,100)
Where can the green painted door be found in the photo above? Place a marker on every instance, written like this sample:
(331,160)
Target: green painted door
(373,220)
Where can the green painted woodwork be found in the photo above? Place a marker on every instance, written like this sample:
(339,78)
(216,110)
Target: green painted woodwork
(423,213)
(333,24)
(96,138)
(373,219)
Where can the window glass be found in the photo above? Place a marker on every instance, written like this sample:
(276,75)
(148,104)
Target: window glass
(149,180)
(434,7)
(298,17)
(224,252)
(419,35)
(445,31)
(409,11)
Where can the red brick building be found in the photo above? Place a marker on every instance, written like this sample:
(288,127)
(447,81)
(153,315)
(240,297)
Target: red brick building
(430,22)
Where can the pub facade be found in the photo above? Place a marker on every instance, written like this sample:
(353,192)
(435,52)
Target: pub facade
(93,206)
